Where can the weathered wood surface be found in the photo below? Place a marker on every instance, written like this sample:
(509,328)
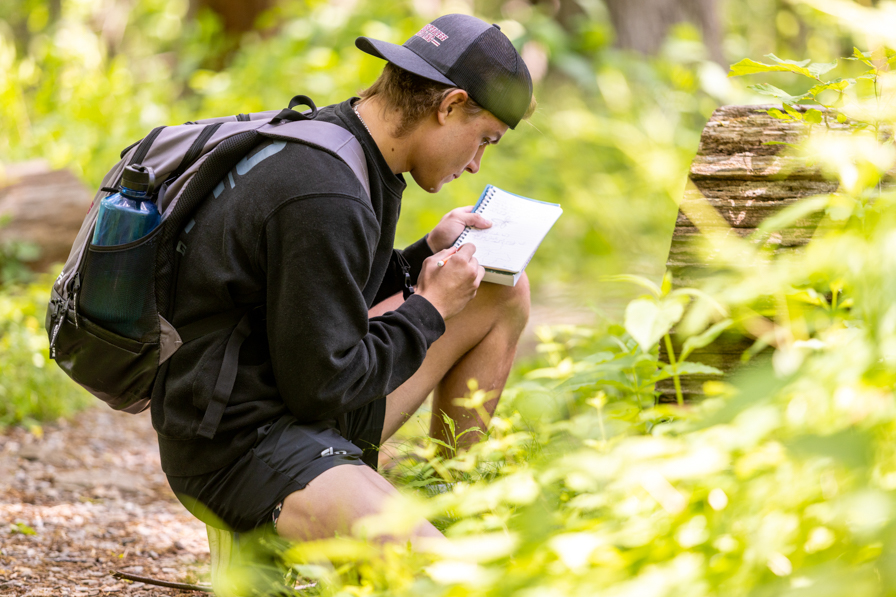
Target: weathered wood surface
(743,173)
(42,206)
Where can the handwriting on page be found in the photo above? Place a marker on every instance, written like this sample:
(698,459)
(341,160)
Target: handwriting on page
(517,229)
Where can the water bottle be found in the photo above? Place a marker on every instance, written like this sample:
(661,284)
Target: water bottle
(131,214)
(117,287)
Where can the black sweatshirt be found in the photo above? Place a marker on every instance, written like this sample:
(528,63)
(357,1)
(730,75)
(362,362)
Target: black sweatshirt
(296,235)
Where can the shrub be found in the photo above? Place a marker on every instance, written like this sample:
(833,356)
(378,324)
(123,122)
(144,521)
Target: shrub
(32,388)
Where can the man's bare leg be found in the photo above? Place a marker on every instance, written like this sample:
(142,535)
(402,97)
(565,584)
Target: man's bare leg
(335,500)
(479,343)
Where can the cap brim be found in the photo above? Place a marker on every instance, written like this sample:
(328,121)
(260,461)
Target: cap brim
(403,58)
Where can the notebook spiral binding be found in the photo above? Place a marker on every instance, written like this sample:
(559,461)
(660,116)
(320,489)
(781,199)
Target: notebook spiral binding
(479,209)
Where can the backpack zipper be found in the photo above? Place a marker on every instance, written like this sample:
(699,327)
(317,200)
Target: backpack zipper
(76,286)
(60,312)
(195,149)
(57,325)
(145,145)
(408,290)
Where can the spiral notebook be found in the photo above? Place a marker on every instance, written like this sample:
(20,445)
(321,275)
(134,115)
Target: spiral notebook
(519,224)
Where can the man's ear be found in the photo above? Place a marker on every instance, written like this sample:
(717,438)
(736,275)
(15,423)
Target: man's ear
(451,103)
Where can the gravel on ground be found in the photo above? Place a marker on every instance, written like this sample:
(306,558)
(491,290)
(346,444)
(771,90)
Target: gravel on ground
(83,498)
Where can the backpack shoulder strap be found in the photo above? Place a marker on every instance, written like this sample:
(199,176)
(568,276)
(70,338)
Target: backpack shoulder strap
(327,136)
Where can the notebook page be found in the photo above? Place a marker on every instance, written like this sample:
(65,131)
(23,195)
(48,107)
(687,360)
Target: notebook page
(518,227)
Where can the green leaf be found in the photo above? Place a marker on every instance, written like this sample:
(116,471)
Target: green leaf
(820,68)
(776,113)
(836,85)
(704,339)
(792,112)
(751,67)
(639,280)
(814,116)
(21,527)
(689,368)
(851,447)
(799,63)
(449,422)
(667,284)
(599,357)
(790,214)
(857,54)
(648,320)
(697,293)
(439,442)
(766,89)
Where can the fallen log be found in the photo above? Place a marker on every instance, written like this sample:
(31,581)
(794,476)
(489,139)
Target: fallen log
(42,206)
(744,174)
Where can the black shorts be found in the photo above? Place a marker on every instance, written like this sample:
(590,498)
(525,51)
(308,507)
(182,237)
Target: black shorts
(286,457)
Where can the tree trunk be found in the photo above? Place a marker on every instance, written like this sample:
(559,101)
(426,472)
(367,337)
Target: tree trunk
(44,207)
(736,181)
(237,16)
(642,25)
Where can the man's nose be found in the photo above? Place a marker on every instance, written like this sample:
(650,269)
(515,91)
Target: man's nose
(473,166)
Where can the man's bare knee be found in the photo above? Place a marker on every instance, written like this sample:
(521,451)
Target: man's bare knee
(335,501)
(510,303)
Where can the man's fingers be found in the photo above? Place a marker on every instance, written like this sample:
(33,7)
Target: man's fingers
(445,253)
(466,251)
(480,275)
(475,221)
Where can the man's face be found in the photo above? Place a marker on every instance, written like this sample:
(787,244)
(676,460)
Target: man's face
(451,144)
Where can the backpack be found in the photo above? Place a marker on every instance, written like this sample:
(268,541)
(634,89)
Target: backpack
(119,363)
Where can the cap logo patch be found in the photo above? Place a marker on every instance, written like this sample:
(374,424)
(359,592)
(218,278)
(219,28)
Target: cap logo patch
(432,34)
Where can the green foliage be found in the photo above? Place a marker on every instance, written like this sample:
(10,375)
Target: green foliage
(611,141)
(843,97)
(32,388)
(14,257)
(783,484)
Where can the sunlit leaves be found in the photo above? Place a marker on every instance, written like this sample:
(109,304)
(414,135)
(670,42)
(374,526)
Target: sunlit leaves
(648,320)
(703,339)
(751,67)
(766,89)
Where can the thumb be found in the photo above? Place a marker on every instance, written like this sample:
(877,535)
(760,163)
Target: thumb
(444,254)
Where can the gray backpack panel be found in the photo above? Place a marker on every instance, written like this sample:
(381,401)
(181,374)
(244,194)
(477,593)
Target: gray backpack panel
(121,367)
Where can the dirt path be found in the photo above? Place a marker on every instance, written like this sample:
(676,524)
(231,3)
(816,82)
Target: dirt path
(89,498)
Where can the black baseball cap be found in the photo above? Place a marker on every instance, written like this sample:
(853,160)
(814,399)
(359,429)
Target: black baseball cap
(465,52)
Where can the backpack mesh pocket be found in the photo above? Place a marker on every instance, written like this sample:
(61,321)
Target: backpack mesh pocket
(118,292)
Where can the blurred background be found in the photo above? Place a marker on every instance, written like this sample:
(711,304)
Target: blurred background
(624,89)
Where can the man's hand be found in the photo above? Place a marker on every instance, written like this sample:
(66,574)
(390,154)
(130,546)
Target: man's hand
(450,287)
(451,226)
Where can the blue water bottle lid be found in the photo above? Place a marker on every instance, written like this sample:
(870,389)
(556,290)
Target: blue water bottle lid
(139,178)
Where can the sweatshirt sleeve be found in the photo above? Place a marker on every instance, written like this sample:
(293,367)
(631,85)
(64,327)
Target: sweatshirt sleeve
(393,282)
(328,357)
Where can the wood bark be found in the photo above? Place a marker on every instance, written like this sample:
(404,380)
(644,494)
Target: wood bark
(642,25)
(237,16)
(743,180)
(42,206)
